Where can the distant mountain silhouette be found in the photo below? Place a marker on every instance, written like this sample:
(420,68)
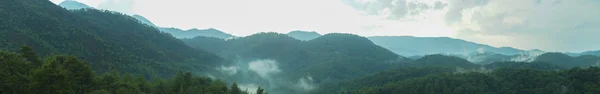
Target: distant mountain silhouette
(143,20)
(72,4)
(303,35)
(410,46)
(178,33)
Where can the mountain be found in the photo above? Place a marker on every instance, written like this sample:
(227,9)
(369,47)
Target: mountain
(410,46)
(443,60)
(567,61)
(178,33)
(294,66)
(596,53)
(303,35)
(72,4)
(500,81)
(143,20)
(108,40)
(191,33)
(486,57)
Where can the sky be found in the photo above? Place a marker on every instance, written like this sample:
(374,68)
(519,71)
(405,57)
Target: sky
(549,25)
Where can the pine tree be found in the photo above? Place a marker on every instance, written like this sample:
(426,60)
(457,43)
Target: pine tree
(30,55)
(235,89)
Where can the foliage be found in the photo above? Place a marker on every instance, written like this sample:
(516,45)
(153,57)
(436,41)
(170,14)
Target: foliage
(561,59)
(500,81)
(108,40)
(69,75)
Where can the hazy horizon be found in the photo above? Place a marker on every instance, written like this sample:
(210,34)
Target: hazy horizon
(549,25)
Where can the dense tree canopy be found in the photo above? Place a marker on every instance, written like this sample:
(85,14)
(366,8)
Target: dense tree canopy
(108,40)
(62,74)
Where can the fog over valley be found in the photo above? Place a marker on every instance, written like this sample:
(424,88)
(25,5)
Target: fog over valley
(299,47)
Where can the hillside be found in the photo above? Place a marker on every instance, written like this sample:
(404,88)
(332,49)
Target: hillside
(181,34)
(307,63)
(410,46)
(567,61)
(303,35)
(72,4)
(108,40)
(143,20)
(513,79)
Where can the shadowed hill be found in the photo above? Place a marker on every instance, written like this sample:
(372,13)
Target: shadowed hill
(108,40)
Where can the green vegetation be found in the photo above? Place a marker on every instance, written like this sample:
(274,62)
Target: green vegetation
(500,81)
(561,59)
(60,74)
(107,40)
(320,58)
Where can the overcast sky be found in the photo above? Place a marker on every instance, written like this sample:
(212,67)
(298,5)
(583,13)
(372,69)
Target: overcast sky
(550,25)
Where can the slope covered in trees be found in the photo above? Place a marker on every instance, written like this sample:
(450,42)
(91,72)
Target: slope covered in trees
(191,33)
(409,46)
(108,40)
(303,35)
(326,59)
(499,81)
(72,4)
(567,61)
(25,73)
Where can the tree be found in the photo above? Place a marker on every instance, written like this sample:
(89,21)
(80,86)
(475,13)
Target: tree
(30,55)
(235,89)
(14,72)
(260,91)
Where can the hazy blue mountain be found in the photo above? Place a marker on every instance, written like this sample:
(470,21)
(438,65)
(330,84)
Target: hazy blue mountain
(410,46)
(178,33)
(303,35)
(567,61)
(596,53)
(143,20)
(191,33)
(72,4)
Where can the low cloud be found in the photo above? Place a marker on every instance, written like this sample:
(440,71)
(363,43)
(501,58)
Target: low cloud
(306,84)
(231,70)
(264,68)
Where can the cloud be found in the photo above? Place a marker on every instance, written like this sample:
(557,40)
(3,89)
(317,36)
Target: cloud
(264,68)
(305,84)
(553,25)
(395,9)
(231,70)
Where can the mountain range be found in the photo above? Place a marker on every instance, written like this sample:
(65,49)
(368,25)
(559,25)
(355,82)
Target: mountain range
(108,40)
(299,62)
(72,4)
(176,32)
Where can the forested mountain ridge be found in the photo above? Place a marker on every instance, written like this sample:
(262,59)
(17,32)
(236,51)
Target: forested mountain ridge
(303,35)
(327,59)
(26,73)
(191,33)
(409,46)
(108,40)
(567,61)
(447,80)
(72,4)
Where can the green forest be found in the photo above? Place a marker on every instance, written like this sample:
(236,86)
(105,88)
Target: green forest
(47,49)
(27,73)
